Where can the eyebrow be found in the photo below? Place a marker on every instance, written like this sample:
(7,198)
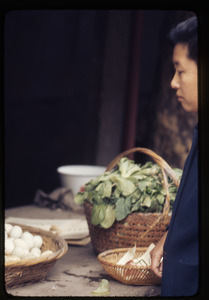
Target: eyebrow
(176,63)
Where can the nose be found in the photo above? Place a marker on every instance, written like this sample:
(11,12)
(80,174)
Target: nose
(175,82)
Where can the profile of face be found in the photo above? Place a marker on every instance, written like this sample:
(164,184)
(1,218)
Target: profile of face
(185,79)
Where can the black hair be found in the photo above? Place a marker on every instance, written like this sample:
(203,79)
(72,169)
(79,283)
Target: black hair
(186,33)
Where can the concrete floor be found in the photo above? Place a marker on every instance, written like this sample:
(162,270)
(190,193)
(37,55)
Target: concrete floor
(77,273)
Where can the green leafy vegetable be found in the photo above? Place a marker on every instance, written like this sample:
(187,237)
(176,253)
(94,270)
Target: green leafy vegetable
(80,197)
(127,168)
(109,217)
(98,214)
(104,188)
(147,201)
(130,187)
(123,208)
(103,289)
(124,185)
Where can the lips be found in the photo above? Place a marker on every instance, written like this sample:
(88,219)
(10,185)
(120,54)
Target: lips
(180,98)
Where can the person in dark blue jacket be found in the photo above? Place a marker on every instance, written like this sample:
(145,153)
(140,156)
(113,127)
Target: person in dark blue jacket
(179,246)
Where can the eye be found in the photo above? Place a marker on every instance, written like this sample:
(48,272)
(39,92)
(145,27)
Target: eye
(179,72)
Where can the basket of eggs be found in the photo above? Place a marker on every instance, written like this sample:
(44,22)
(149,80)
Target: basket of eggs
(30,253)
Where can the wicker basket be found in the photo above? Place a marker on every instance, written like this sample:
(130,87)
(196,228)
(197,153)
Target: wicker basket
(27,270)
(131,275)
(137,228)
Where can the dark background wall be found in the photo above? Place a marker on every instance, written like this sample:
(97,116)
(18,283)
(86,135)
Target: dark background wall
(66,84)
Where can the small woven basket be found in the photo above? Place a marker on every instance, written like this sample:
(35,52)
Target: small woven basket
(27,270)
(137,228)
(127,274)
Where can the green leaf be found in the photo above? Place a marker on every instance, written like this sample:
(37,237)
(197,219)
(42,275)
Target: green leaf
(116,192)
(120,211)
(123,208)
(136,206)
(80,197)
(98,214)
(128,204)
(147,201)
(155,169)
(104,189)
(135,196)
(90,196)
(97,198)
(109,217)
(108,175)
(160,198)
(178,172)
(147,165)
(127,167)
(125,186)
(142,184)
(139,176)
(154,207)
(103,289)
(90,186)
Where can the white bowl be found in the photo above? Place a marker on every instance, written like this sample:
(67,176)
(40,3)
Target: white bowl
(75,176)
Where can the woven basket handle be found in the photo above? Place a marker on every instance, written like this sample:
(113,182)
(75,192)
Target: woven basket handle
(166,170)
(158,159)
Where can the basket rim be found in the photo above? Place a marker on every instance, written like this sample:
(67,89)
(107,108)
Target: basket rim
(103,254)
(26,262)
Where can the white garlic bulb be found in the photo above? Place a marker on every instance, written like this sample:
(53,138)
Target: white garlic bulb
(38,241)
(8,227)
(35,252)
(20,252)
(16,231)
(9,246)
(28,238)
(46,253)
(21,243)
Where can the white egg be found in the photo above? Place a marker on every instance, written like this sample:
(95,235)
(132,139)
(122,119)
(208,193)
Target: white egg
(38,241)
(20,252)
(46,253)
(35,252)
(28,238)
(21,243)
(5,235)
(16,231)
(9,246)
(8,227)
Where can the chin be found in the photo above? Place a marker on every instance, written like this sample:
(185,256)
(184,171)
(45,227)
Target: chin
(189,108)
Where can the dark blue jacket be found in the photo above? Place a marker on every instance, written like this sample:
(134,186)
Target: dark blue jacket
(180,260)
